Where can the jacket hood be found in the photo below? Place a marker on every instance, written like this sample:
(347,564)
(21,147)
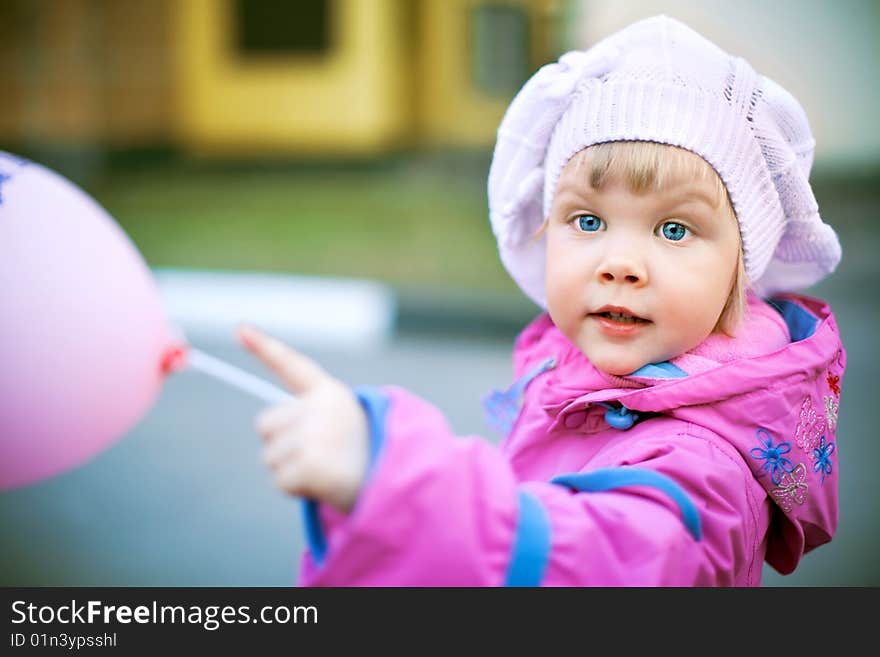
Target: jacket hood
(772,393)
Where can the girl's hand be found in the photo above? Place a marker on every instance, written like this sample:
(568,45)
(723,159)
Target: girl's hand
(317,444)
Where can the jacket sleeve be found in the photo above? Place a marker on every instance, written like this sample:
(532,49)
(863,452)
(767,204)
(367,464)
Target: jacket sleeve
(442,510)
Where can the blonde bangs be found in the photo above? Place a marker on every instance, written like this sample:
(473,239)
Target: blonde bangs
(646,166)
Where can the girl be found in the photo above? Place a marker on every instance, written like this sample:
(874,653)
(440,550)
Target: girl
(672,421)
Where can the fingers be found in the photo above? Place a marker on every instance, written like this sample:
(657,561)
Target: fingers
(298,372)
(283,444)
(282,453)
(289,478)
(275,418)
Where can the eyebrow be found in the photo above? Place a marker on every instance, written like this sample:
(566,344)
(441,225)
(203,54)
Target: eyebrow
(579,195)
(672,199)
(696,200)
(692,196)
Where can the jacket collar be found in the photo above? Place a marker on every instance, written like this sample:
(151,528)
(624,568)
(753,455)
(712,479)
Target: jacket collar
(776,333)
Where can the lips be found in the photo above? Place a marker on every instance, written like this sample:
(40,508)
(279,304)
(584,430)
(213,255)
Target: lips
(619,315)
(619,323)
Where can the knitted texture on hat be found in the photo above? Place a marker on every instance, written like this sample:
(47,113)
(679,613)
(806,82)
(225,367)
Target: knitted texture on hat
(658,80)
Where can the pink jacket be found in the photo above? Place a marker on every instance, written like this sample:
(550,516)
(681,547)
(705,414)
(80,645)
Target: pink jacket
(690,472)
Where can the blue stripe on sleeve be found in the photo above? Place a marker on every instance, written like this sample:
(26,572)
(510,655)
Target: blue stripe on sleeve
(315,538)
(609,478)
(531,546)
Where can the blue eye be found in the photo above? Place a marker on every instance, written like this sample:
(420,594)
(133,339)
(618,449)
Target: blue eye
(589,223)
(674,231)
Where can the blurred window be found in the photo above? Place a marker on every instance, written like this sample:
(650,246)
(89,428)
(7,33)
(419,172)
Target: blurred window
(500,47)
(271,27)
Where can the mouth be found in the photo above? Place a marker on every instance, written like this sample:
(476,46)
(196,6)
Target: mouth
(620,315)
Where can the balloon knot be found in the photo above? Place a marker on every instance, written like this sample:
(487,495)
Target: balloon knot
(173,359)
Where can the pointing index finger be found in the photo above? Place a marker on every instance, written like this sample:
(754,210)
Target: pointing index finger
(296,371)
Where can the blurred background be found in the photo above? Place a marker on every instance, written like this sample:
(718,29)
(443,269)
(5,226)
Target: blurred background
(333,154)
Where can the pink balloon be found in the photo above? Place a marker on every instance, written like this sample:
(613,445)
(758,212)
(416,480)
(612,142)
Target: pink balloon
(84,340)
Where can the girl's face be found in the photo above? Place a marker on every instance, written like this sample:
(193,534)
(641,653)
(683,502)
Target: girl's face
(633,279)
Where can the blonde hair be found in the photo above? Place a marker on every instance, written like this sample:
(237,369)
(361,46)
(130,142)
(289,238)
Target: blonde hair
(649,166)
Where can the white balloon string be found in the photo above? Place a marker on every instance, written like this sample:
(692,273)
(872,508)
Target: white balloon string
(237,378)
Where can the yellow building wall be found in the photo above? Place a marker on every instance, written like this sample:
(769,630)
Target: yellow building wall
(353,99)
(452,109)
(85,72)
(145,72)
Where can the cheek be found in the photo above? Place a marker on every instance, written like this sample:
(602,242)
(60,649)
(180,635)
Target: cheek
(695,298)
(719,280)
(563,275)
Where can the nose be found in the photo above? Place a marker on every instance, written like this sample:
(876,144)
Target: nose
(623,268)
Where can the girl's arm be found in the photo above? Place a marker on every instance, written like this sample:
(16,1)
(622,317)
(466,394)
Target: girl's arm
(437,509)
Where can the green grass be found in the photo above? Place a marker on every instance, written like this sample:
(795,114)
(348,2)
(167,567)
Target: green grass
(416,221)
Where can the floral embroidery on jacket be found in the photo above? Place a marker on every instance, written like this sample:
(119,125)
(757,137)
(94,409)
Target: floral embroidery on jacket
(772,455)
(831,409)
(810,427)
(792,489)
(834,384)
(822,455)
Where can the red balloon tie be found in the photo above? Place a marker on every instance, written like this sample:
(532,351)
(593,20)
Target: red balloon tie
(173,359)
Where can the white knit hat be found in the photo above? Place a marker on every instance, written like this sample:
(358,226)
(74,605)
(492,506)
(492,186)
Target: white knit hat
(658,80)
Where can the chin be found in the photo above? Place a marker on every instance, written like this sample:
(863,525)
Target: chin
(618,371)
(616,368)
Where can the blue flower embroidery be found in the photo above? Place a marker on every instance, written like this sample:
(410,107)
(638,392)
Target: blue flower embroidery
(774,462)
(822,454)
